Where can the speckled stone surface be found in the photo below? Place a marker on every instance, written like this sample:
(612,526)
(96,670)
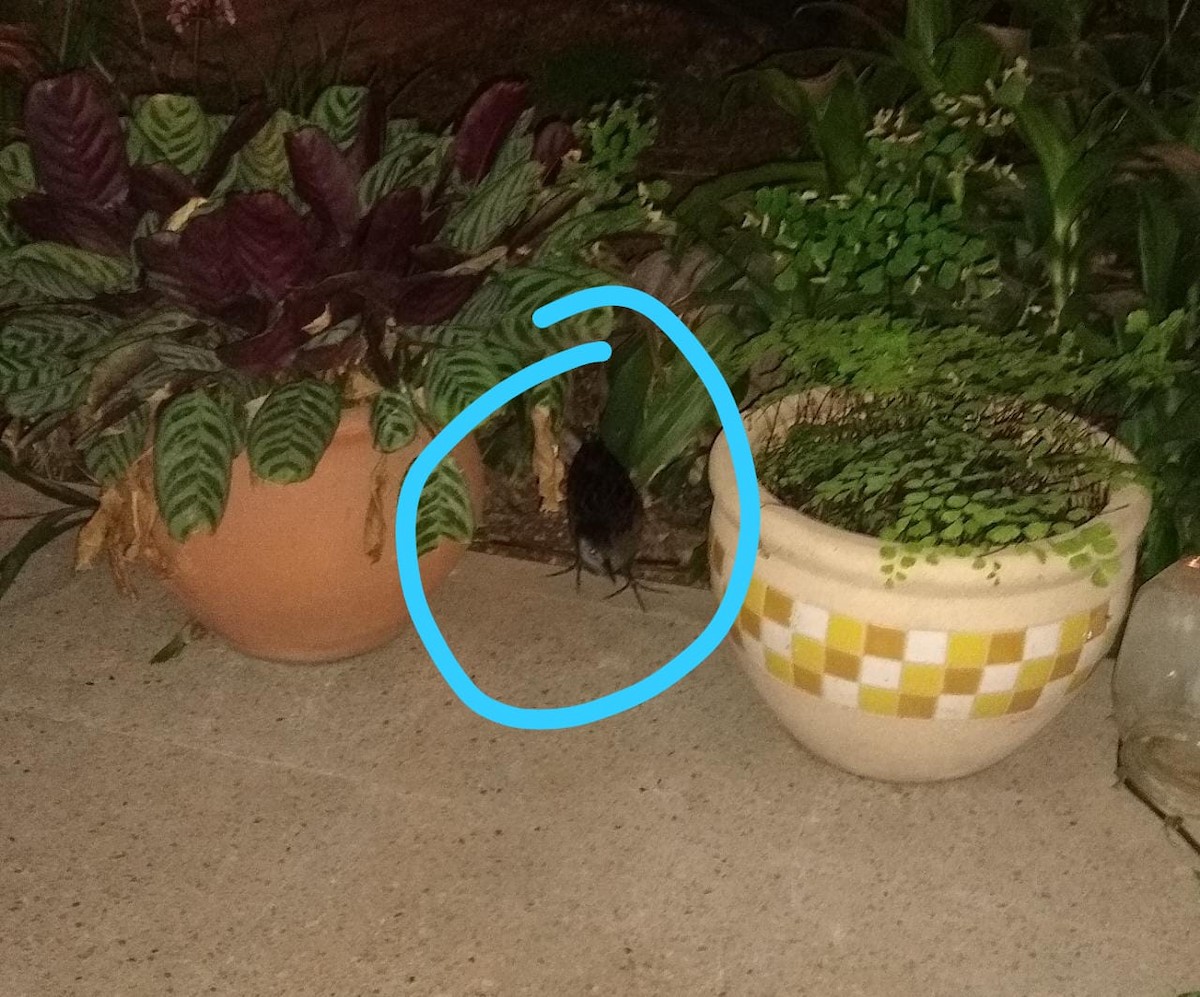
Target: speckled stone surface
(216,825)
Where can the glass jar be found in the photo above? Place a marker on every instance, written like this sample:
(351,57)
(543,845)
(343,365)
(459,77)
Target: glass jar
(1156,690)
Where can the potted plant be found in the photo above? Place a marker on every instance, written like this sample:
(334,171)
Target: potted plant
(949,532)
(286,337)
(945,555)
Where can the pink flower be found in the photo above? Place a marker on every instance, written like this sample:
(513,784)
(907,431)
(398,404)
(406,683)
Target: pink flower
(181,13)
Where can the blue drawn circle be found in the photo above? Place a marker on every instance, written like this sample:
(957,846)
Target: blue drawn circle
(557,718)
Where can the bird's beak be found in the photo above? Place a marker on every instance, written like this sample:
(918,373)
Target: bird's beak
(608,568)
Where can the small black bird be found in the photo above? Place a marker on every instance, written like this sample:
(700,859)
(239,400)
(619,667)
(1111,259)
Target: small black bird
(605,515)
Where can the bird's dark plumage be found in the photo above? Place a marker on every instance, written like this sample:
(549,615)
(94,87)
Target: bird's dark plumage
(605,513)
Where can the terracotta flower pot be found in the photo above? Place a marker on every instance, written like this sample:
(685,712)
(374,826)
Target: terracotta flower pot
(937,677)
(286,575)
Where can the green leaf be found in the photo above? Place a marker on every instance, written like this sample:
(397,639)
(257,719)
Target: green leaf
(175,646)
(59,272)
(193,450)
(187,356)
(57,393)
(477,319)
(973,59)
(48,332)
(840,129)
(678,407)
(45,530)
(412,160)
(529,288)
(456,376)
(928,24)
(1158,248)
(444,511)
(110,455)
(393,419)
(577,233)
(16,173)
(337,111)
(262,163)
(171,128)
(493,207)
(292,429)
(518,146)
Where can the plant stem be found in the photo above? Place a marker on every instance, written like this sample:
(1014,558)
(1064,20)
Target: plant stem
(64,39)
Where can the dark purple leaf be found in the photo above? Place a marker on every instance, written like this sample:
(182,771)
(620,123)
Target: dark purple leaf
(325,181)
(275,347)
(553,141)
(485,126)
(433,257)
(270,242)
(160,188)
(75,136)
(21,53)
(75,223)
(247,123)
(427,299)
(367,147)
(388,233)
(246,313)
(434,222)
(196,266)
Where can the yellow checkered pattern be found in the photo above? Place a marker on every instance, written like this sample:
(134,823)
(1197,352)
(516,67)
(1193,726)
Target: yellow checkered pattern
(927,674)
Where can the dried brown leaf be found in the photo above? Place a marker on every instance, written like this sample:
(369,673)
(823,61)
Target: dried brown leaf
(547,464)
(359,386)
(94,536)
(375,532)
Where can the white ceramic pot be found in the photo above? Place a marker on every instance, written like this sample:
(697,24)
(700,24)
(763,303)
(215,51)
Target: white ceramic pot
(937,677)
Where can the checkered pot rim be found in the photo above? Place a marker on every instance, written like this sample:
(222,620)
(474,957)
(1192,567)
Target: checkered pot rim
(952,674)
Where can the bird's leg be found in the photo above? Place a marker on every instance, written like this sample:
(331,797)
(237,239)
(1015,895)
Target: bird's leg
(638,587)
(576,566)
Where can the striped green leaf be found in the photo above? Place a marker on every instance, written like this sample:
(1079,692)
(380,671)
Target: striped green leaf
(529,288)
(493,207)
(110,455)
(400,132)
(393,419)
(337,111)
(444,511)
(550,394)
(517,147)
(187,356)
(455,377)
(171,128)
(162,322)
(48,332)
(193,451)
(51,270)
(262,162)
(578,232)
(16,173)
(47,394)
(21,373)
(412,161)
(474,321)
(291,430)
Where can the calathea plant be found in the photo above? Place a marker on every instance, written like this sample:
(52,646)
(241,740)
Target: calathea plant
(386,265)
(85,181)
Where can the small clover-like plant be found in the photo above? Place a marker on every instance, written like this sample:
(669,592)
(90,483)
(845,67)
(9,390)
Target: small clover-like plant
(949,441)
